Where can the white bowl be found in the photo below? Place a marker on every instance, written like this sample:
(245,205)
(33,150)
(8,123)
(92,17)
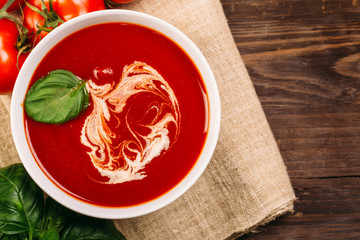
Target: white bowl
(25,75)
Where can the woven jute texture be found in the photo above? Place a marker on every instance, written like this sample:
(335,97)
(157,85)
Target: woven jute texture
(246,183)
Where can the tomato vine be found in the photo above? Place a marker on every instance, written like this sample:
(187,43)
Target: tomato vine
(22,40)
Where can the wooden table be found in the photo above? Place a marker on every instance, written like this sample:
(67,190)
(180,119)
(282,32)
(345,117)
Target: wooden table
(304,59)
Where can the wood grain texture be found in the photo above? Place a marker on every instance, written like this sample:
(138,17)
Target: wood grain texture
(304,59)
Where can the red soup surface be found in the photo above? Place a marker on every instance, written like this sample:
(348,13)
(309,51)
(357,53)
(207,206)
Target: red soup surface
(146,123)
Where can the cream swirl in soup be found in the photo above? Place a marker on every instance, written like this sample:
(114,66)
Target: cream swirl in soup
(130,123)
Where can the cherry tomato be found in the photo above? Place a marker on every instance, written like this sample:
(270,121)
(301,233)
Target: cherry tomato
(65,9)
(114,3)
(8,56)
(13,7)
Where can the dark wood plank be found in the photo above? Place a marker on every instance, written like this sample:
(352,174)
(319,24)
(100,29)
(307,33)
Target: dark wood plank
(304,59)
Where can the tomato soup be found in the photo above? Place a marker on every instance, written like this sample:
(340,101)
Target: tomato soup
(146,123)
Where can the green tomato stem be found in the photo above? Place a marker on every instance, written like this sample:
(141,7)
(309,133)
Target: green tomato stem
(7,5)
(52,19)
(22,41)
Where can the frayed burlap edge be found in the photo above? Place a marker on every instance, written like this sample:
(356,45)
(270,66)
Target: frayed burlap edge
(286,208)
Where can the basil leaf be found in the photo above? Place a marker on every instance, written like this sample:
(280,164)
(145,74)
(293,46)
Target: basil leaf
(50,234)
(56,216)
(87,228)
(74,226)
(23,216)
(21,201)
(11,237)
(56,98)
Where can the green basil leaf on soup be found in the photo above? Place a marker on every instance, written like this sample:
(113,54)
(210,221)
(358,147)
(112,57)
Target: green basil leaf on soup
(21,201)
(56,98)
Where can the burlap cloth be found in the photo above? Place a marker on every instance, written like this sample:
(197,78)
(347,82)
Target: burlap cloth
(246,183)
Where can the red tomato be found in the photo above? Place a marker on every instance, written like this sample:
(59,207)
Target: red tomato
(115,3)
(65,9)
(13,7)
(8,56)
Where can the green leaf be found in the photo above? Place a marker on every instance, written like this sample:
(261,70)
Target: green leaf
(3,236)
(56,216)
(87,228)
(11,237)
(21,201)
(58,97)
(50,234)
(22,213)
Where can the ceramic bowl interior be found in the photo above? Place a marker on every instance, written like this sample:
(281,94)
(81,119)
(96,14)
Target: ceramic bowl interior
(21,87)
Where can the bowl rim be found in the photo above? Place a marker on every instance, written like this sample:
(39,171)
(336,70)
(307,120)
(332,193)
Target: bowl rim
(58,34)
